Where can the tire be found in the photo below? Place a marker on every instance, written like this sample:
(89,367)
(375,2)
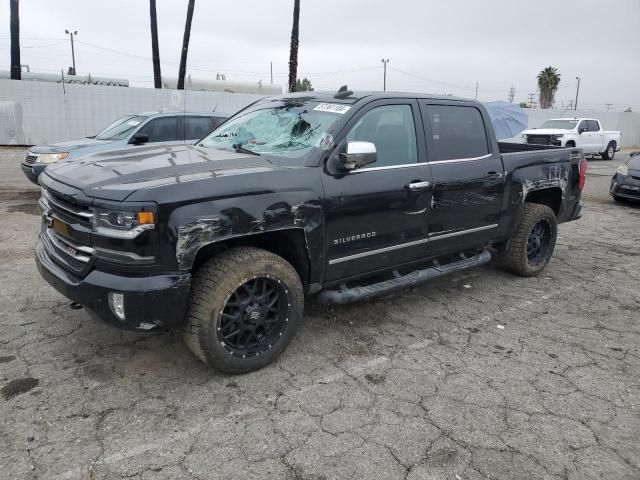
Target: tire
(609,152)
(570,144)
(517,255)
(226,293)
(618,199)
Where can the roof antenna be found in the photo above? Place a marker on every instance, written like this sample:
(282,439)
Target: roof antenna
(343,92)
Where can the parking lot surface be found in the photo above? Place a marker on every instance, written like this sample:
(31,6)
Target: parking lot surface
(479,375)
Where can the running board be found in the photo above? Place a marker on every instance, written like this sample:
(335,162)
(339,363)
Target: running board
(364,292)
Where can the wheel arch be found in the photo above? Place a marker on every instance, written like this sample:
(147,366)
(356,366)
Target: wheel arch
(289,244)
(549,196)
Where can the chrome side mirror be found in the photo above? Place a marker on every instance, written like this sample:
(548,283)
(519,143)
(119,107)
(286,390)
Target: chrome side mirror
(358,155)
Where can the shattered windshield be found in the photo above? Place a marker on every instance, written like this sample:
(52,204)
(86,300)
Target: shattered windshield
(290,129)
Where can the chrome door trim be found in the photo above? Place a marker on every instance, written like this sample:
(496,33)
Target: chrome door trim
(458,160)
(389,167)
(431,238)
(379,250)
(461,232)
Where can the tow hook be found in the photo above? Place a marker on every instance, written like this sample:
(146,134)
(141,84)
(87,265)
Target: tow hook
(74,306)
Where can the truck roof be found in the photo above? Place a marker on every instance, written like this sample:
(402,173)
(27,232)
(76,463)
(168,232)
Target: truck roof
(355,97)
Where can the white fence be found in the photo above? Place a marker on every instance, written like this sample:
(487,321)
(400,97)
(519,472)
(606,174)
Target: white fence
(38,112)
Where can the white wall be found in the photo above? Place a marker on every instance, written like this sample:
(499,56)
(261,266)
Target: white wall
(627,123)
(40,112)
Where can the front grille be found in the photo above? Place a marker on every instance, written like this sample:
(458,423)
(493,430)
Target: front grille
(68,211)
(30,158)
(539,139)
(71,256)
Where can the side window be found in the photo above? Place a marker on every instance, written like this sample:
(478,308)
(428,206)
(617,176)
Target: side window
(392,130)
(593,126)
(457,132)
(583,126)
(163,129)
(196,128)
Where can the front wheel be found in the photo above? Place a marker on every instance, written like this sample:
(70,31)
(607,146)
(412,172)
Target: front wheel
(246,304)
(609,152)
(531,246)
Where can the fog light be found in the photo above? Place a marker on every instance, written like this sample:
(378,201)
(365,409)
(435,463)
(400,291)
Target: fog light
(116,303)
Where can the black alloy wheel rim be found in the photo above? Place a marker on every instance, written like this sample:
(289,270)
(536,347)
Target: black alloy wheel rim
(254,317)
(539,243)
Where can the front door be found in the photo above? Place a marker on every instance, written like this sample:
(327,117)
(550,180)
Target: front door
(376,216)
(468,178)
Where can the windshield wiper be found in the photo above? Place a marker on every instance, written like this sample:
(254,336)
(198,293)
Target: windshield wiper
(240,149)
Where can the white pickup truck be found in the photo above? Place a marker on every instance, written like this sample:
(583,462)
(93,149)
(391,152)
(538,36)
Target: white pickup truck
(585,133)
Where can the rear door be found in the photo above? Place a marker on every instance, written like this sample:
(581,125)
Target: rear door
(468,177)
(376,217)
(596,137)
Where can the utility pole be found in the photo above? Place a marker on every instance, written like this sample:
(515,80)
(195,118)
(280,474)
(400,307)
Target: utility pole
(14,27)
(73,53)
(155,49)
(182,70)
(512,93)
(575,105)
(384,84)
(476,90)
(271,73)
(531,102)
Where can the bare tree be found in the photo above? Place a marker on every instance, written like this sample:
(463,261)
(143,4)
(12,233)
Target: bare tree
(155,49)
(185,45)
(14,25)
(293,52)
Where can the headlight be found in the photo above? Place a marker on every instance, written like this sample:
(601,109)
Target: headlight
(121,224)
(623,170)
(524,136)
(52,157)
(558,135)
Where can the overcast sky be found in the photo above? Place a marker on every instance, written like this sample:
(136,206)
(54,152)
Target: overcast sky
(434,46)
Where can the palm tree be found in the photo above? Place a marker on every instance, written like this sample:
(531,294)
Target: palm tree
(185,45)
(14,25)
(293,52)
(155,50)
(548,81)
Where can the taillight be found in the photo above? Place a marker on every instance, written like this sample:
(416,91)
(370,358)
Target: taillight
(583,174)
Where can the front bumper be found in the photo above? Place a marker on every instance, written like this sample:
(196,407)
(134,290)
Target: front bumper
(151,302)
(32,171)
(625,186)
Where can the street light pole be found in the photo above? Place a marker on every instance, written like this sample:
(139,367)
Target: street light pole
(575,106)
(384,85)
(73,53)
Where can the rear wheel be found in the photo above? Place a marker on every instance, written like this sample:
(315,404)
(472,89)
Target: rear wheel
(531,246)
(570,144)
(246,304)
(609,152)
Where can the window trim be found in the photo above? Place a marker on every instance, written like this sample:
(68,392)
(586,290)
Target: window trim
(426,105)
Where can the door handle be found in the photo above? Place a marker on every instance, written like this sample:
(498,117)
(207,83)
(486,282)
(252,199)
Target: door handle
(416,186)
(493,176)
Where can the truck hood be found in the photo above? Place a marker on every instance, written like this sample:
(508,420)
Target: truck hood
(547,131)
(116,174)
(69,146)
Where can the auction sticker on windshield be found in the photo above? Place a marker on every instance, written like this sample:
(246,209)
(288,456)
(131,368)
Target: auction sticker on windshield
(333,108)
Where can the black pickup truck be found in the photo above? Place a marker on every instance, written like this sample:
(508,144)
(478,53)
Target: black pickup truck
(346,196)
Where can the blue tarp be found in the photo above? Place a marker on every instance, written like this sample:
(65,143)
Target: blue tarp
(508,119)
